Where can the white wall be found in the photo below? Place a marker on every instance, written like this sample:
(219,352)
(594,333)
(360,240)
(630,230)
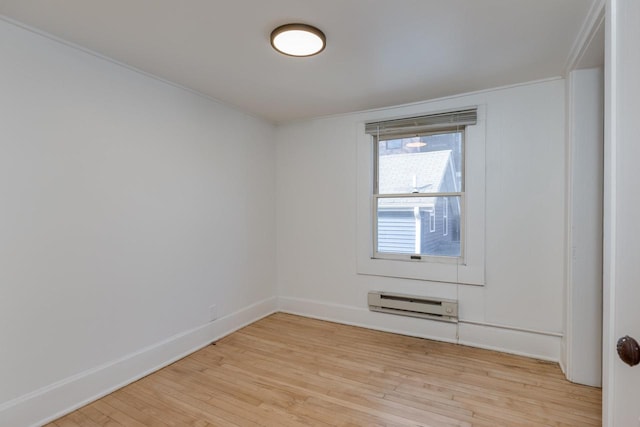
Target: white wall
(127,207)
(583,359)
(520,309)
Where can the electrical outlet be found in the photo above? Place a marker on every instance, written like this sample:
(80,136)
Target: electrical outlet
(213,313)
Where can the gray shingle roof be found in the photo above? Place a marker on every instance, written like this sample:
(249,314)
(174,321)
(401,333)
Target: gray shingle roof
(411,172)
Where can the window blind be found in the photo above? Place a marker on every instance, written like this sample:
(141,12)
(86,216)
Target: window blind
(422,124)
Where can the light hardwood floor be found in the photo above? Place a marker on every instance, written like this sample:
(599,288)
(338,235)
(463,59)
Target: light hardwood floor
(287,370)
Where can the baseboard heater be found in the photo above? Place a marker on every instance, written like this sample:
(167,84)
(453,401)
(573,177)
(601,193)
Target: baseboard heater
(414,306)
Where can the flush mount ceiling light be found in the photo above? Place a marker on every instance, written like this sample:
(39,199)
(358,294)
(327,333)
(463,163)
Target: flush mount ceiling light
(298,40)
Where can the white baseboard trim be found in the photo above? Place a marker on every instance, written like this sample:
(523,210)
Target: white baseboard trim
(536,344)
(564,369)
(53,401)
(362,317)
(539,345)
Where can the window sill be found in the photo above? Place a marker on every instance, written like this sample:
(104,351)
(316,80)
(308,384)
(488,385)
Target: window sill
(422,258)
(450,272)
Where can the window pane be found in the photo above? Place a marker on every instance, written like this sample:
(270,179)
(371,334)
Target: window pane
(424,164)
(419,225)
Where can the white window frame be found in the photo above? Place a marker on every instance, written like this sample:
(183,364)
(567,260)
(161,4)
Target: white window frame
(377,196)
(467,270)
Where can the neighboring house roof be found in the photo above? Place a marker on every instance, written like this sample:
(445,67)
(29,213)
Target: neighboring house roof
(411,172)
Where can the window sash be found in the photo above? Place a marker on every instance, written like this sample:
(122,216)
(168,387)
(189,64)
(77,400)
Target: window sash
(384,131)
(376,155)
(418,195)
(418,257)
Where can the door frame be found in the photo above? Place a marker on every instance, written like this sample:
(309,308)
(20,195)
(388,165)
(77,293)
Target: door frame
(609,215)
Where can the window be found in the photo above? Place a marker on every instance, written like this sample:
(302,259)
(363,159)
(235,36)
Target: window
(400,225)
(418,186)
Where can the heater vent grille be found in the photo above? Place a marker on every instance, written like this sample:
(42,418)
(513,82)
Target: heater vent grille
(414,306)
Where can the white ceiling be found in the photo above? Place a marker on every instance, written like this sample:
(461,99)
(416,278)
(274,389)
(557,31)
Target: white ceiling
(379,53)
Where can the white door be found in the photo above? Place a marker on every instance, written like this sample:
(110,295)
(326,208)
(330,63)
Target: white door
(621,383)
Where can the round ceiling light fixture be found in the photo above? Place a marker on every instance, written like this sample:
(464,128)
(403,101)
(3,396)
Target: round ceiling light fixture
(298,40)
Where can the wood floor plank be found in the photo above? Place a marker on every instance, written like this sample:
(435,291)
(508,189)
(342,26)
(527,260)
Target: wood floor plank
(66,422)
(286,371)
(95,415)
(80,419)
